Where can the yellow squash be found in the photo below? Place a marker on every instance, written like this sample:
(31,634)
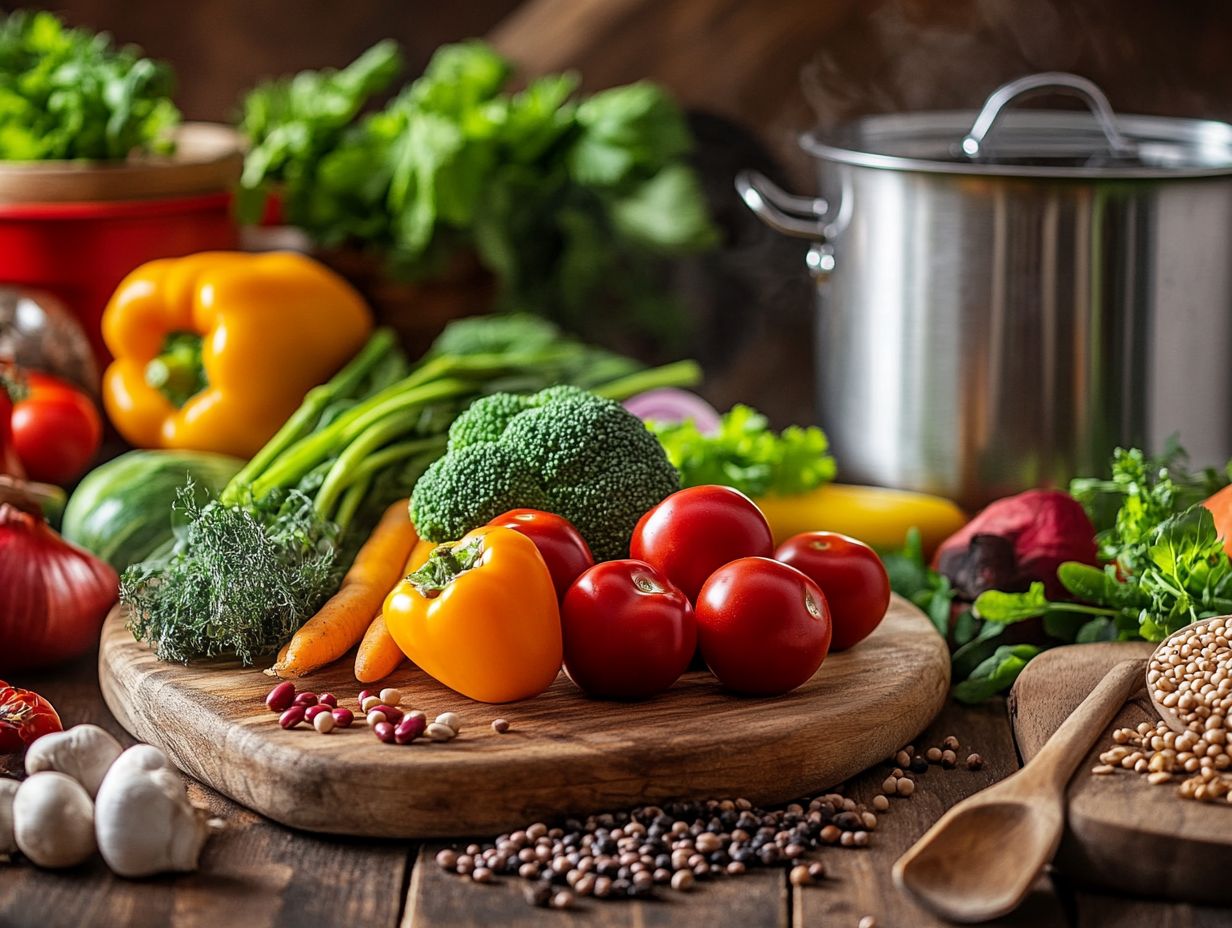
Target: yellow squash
(877,516)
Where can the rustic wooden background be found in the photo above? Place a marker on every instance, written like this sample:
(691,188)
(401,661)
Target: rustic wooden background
(761,72)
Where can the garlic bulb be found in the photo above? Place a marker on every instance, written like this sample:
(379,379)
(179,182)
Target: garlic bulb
(8,842)
(144,821)
(53,820)
(84,752)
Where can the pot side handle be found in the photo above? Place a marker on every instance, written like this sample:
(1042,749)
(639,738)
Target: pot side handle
(800,217)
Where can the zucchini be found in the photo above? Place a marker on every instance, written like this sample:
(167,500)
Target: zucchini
(121,510)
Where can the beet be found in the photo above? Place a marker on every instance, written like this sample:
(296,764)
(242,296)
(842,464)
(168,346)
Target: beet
(1017,540)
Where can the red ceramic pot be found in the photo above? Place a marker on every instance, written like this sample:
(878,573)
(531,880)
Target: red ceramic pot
(76,229)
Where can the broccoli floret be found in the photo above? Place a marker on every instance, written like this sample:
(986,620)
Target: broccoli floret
(485,419)
(562,450)
(471,486)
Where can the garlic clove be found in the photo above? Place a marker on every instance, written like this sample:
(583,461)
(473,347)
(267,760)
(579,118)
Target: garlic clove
(84,752)
(8,841)
(143,819)
(53,820)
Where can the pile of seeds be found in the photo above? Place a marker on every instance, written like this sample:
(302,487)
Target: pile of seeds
(627,855)
(1192,676)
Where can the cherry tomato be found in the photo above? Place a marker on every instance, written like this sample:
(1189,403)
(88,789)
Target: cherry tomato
(56,429)
(694,532)
(563,548)
(628,632)
(851,575)
(764,627)
(24,716)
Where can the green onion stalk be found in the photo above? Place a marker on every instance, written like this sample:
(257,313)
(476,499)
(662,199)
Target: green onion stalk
(253,565)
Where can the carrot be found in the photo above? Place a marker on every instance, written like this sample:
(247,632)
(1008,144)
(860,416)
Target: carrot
(342,621)
(379,655)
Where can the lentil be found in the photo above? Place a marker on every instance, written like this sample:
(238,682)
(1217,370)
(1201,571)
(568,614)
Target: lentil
(1191,675)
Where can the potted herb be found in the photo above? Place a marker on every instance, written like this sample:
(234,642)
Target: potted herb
(97,173)
(461,194)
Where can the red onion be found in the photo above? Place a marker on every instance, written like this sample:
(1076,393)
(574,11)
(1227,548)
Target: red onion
(669,405)
(53,595)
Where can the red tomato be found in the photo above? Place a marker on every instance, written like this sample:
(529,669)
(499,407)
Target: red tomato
(628,632)
(764,627)
(10,464)
(56,430)
(851,575)
(694,532)
(563,548)
(24,716)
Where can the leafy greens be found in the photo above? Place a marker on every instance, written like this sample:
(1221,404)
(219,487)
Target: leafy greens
(568,201)
(68,93)
(1165,568)
(746,453)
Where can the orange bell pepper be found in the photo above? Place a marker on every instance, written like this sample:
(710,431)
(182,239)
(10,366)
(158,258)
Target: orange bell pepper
(481,617)
(213,352)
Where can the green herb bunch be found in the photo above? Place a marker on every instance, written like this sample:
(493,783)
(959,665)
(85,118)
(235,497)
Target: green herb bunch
(746,453)
(69,93)
(1165,567)
(572,203)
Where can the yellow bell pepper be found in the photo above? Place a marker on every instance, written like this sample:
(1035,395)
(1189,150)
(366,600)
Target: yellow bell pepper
(213,352)
(877,516)
(481,617)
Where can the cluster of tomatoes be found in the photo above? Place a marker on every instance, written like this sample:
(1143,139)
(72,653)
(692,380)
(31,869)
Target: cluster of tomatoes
(704,576)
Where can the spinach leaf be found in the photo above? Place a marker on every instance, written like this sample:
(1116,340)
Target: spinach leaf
(996,673)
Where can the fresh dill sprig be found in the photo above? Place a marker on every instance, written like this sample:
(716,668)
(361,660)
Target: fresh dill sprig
(239,583)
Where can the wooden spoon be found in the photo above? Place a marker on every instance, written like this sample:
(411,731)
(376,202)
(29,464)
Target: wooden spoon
(981,858)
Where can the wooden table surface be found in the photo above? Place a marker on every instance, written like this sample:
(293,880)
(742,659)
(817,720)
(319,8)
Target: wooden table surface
(256,874)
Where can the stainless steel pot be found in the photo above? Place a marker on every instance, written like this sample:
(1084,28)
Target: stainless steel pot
(1004,297)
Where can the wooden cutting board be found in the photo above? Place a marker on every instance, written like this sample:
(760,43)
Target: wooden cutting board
(564,754)
(1122,833)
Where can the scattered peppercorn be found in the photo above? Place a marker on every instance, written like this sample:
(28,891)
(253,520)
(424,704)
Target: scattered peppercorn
(800,876)
(950,743)
(974,762)
(500,726)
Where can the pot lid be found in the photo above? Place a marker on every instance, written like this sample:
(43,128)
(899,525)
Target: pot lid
(1033,143)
